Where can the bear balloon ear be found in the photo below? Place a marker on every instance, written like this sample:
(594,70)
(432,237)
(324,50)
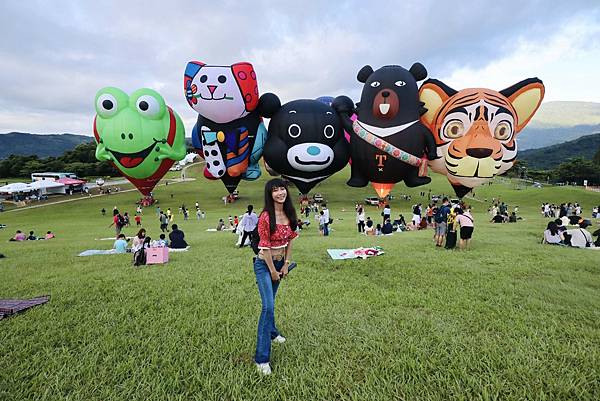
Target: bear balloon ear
(268,105)
(418,71)
(526,97)
(364,73)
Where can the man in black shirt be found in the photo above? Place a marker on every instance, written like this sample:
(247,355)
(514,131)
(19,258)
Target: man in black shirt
(498,218)
(177,238)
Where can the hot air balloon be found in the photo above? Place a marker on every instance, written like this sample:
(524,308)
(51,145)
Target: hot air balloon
(388,143)
(476,129)
(306,143)
(139,134)
(229,133)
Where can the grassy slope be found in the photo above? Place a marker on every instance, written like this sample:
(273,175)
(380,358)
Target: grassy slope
(510,319)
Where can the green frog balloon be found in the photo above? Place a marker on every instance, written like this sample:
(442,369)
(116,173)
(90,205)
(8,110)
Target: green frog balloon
(139,134)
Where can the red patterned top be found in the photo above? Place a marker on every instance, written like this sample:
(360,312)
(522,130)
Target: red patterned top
(279,239)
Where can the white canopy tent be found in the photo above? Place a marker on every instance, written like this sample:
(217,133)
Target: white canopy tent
(47,187)
(15,187)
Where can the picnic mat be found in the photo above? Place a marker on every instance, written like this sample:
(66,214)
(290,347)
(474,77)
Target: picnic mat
(11,306)
(363,253)
(92,252)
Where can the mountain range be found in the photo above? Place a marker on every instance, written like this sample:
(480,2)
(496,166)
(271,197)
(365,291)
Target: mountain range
(553,123)
(551,156)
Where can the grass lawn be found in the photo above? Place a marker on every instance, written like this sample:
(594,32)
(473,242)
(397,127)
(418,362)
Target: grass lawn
(510,319)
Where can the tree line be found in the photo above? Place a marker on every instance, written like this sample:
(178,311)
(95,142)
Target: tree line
(82,161)
(574,170)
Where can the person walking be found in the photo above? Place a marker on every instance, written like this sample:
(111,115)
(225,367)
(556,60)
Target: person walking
(248,224)
(387,212)
(276,228)
(360,219)
(441,222)
(465,221)
(164,222)
(327,219)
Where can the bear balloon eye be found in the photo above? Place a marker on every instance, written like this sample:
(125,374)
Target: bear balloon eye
(203,78)
(222,79)
(328,131)
(106,105)
(294,130)
(147,106)
(399,83)
(375,84)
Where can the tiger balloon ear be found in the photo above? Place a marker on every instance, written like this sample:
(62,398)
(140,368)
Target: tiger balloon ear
(526,97)
(433,94)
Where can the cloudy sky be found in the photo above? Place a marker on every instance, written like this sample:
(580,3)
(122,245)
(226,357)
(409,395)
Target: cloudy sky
(54,56)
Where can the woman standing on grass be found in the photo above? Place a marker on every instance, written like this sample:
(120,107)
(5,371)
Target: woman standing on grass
(465,221)
(277,228)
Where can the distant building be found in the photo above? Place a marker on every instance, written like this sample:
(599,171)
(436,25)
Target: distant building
(51,176)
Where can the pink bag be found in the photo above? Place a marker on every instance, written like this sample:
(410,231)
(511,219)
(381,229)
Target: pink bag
(157,255)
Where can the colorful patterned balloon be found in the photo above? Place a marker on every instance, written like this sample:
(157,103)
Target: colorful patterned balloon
(229,133)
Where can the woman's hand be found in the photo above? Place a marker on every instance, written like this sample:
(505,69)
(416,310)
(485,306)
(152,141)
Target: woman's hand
(284,270)
(275,276)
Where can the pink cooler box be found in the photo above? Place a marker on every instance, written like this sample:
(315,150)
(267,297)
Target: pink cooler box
(157,255)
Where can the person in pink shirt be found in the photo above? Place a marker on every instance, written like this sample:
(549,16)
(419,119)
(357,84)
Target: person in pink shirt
(49,235)
(19,236)
(465,221)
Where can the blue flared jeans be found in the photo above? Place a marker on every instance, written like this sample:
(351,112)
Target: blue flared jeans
(266,324)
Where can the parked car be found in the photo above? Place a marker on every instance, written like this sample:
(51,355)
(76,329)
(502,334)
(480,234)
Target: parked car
(235,194)
(372,200)
(318,198)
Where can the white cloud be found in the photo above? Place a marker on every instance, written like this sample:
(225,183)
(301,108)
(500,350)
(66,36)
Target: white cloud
(56,55)
(567,62)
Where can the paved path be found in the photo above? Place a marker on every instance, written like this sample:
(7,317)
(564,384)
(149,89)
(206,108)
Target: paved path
(80,198)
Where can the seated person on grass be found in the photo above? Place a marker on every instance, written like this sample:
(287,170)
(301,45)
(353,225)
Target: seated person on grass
(31,236)
(49,235)
(552,235)
(387,228)
(120,245)
(19,236)
(177,238)
(369,229)
(497,218)
(580,237)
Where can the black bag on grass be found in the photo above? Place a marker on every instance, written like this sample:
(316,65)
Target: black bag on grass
(139,257)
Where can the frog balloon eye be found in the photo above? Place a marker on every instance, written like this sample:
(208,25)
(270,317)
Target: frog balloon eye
(106,105)
(148,106)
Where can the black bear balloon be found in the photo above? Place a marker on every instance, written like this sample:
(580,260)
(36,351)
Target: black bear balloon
(388,141)
(306,142)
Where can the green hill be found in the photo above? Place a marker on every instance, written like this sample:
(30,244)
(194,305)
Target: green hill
(551,156)
(19,143)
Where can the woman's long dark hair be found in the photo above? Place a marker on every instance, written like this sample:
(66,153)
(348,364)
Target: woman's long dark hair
(553,227)
(288,206)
